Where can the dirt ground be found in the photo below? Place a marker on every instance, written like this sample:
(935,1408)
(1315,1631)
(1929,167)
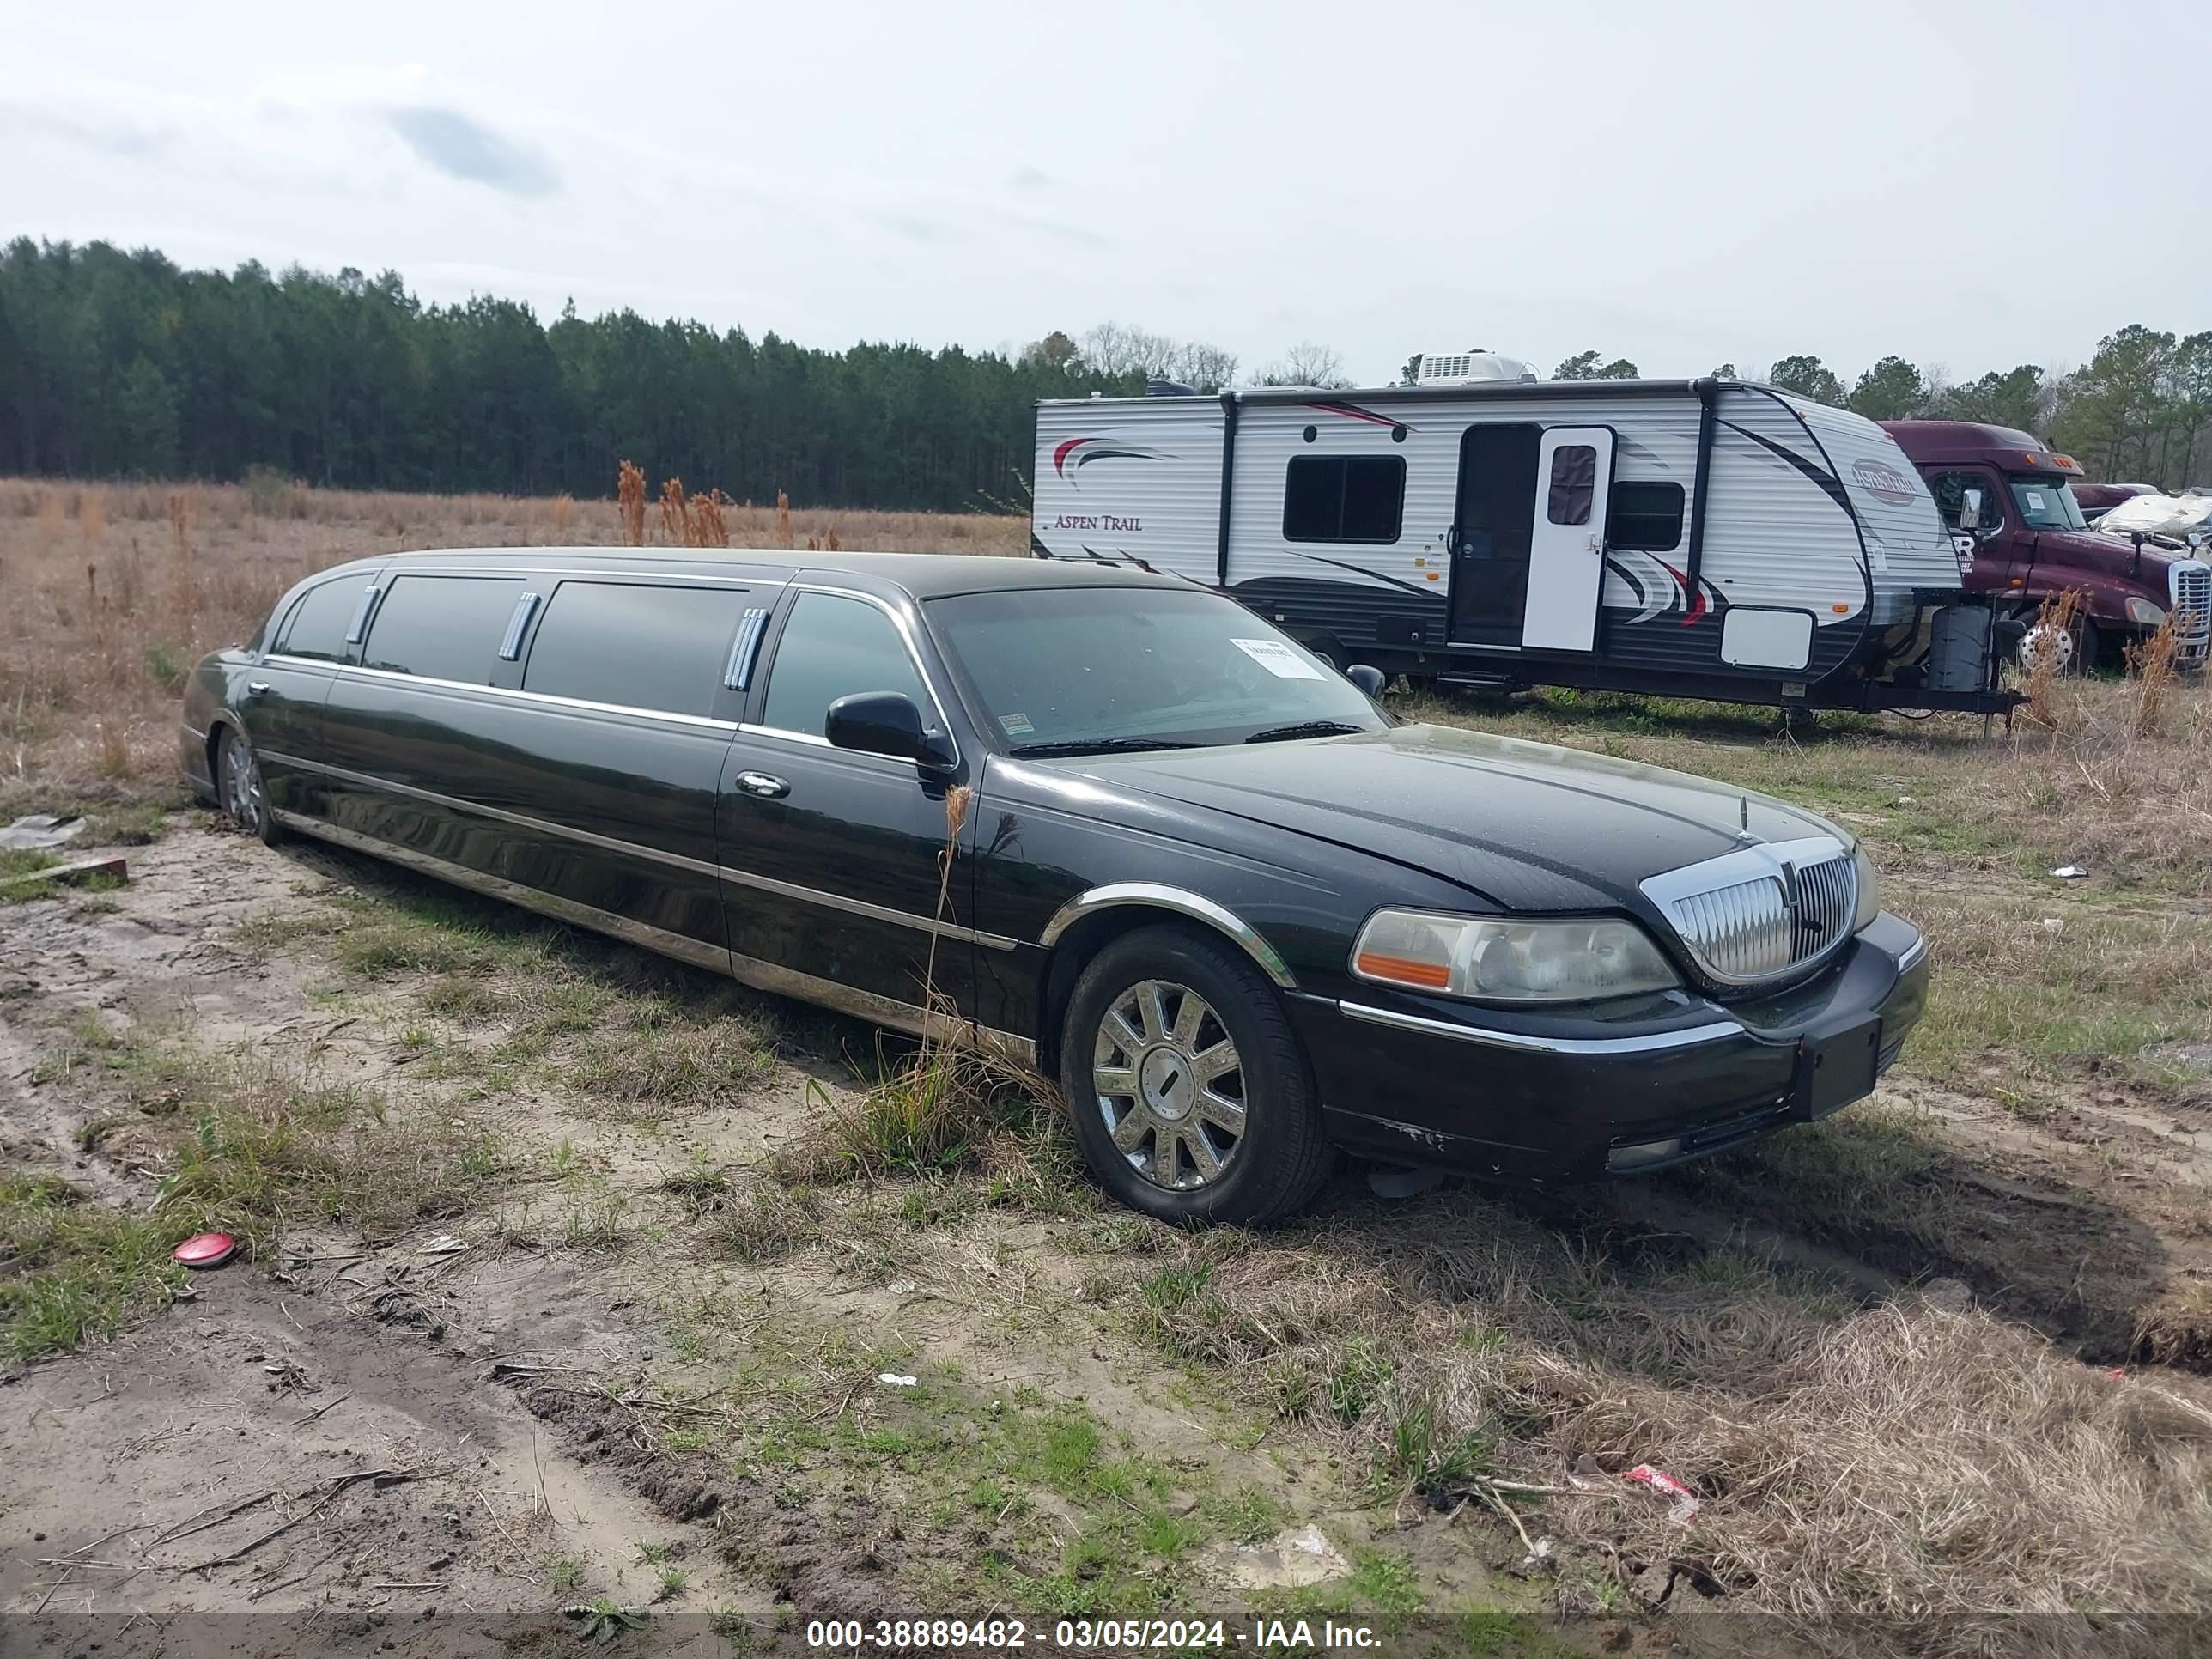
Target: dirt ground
(482,1410)
(450,1419)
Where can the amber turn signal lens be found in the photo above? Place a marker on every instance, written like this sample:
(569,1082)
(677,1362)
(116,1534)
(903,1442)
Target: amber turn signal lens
(1404,971)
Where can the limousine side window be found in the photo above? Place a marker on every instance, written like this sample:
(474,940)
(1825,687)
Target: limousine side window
(832,647)
(636,646)
(317,627)
(441,628)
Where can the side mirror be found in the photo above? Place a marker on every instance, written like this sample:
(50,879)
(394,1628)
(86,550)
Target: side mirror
(885,723)
(1368,679)
(1970,510)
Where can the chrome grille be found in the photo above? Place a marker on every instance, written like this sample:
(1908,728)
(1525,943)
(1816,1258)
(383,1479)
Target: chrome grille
(1763,913)
(2190,581)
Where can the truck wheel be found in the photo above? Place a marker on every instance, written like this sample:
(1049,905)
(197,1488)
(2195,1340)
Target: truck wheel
(1191,1096)
(2077,648)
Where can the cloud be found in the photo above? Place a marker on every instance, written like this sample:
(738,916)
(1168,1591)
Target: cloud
(462,148)
(1029,177)
(116,137)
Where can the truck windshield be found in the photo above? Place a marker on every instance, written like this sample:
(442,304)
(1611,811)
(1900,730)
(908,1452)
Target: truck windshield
(2046,503)
(1068,670)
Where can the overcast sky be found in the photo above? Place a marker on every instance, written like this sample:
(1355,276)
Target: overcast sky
(1683,185)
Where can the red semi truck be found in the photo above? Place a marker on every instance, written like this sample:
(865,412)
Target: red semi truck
(2009,496)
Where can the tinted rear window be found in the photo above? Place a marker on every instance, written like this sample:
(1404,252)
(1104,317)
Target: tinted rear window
(316,626)
(637,646)
(443,627)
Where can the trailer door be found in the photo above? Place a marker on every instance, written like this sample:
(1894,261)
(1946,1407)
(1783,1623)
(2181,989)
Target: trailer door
(1566,556)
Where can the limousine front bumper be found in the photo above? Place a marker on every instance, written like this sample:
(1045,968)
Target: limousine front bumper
(1425,1080)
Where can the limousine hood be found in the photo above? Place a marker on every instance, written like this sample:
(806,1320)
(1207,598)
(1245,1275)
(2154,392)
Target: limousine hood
(1528,825)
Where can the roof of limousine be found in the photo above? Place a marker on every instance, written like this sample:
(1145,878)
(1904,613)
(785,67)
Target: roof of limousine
(926,576)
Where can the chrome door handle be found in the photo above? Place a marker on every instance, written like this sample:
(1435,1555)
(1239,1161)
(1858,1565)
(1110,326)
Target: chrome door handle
(257,688)
(761,784)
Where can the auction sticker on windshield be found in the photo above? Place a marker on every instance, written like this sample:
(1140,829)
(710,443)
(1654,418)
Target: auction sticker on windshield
(1278,660)
(1018,726)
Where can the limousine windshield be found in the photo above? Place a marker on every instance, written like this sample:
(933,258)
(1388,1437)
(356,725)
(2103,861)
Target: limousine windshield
(1068,671)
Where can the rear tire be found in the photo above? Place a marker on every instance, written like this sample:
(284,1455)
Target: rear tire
(1191,1097)
(240,790)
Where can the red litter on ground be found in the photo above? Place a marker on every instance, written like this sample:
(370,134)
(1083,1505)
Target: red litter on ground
(1685,1505)
(206,1249)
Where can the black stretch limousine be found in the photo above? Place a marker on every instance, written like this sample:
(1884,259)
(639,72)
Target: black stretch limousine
(1239,911)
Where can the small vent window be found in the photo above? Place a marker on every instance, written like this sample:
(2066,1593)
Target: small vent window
(1343,498)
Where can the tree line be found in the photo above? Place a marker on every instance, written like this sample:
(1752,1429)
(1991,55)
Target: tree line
(2139,411)
(117,363)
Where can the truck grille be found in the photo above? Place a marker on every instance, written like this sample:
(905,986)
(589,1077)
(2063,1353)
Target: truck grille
(1762,913)
(2191,582)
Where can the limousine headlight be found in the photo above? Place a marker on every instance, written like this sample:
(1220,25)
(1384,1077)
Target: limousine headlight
(1500,960)
(1869,886)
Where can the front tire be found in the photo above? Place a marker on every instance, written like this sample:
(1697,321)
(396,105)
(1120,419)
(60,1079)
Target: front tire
(1191,1097)
(2078,647)
(241,789)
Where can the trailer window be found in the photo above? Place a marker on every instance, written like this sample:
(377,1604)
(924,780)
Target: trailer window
(1646,515)
(1574,484)
(1343,498)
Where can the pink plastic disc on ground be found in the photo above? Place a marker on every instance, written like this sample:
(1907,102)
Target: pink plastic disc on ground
(206,1249)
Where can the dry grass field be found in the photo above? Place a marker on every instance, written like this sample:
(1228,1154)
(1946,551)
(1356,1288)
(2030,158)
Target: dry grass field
(110,592)
(612,1261)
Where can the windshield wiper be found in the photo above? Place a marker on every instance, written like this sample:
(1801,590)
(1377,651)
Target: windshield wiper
(1303,729)
(1095,746)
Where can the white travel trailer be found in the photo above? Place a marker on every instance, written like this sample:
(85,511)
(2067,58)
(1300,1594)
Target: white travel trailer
(1711,538)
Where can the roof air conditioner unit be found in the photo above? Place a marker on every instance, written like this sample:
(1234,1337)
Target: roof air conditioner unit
(1466,367)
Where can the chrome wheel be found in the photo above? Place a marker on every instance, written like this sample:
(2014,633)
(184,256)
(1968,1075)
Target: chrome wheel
(2043,637)
(242,785)
(1169,1085)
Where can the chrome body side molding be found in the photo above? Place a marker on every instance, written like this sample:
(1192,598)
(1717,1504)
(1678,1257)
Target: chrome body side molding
(676,861)
(1523,1042)
(747,971)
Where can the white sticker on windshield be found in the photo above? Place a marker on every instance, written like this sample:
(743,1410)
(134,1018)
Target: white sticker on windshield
(1278,660)
(2035,501)
(1018,726)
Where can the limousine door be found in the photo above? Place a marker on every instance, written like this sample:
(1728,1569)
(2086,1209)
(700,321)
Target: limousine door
(830,858)
(282,699)
(557,735)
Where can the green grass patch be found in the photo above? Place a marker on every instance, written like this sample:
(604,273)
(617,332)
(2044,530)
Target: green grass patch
(239,1144)
(72,1270)
(17,867)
